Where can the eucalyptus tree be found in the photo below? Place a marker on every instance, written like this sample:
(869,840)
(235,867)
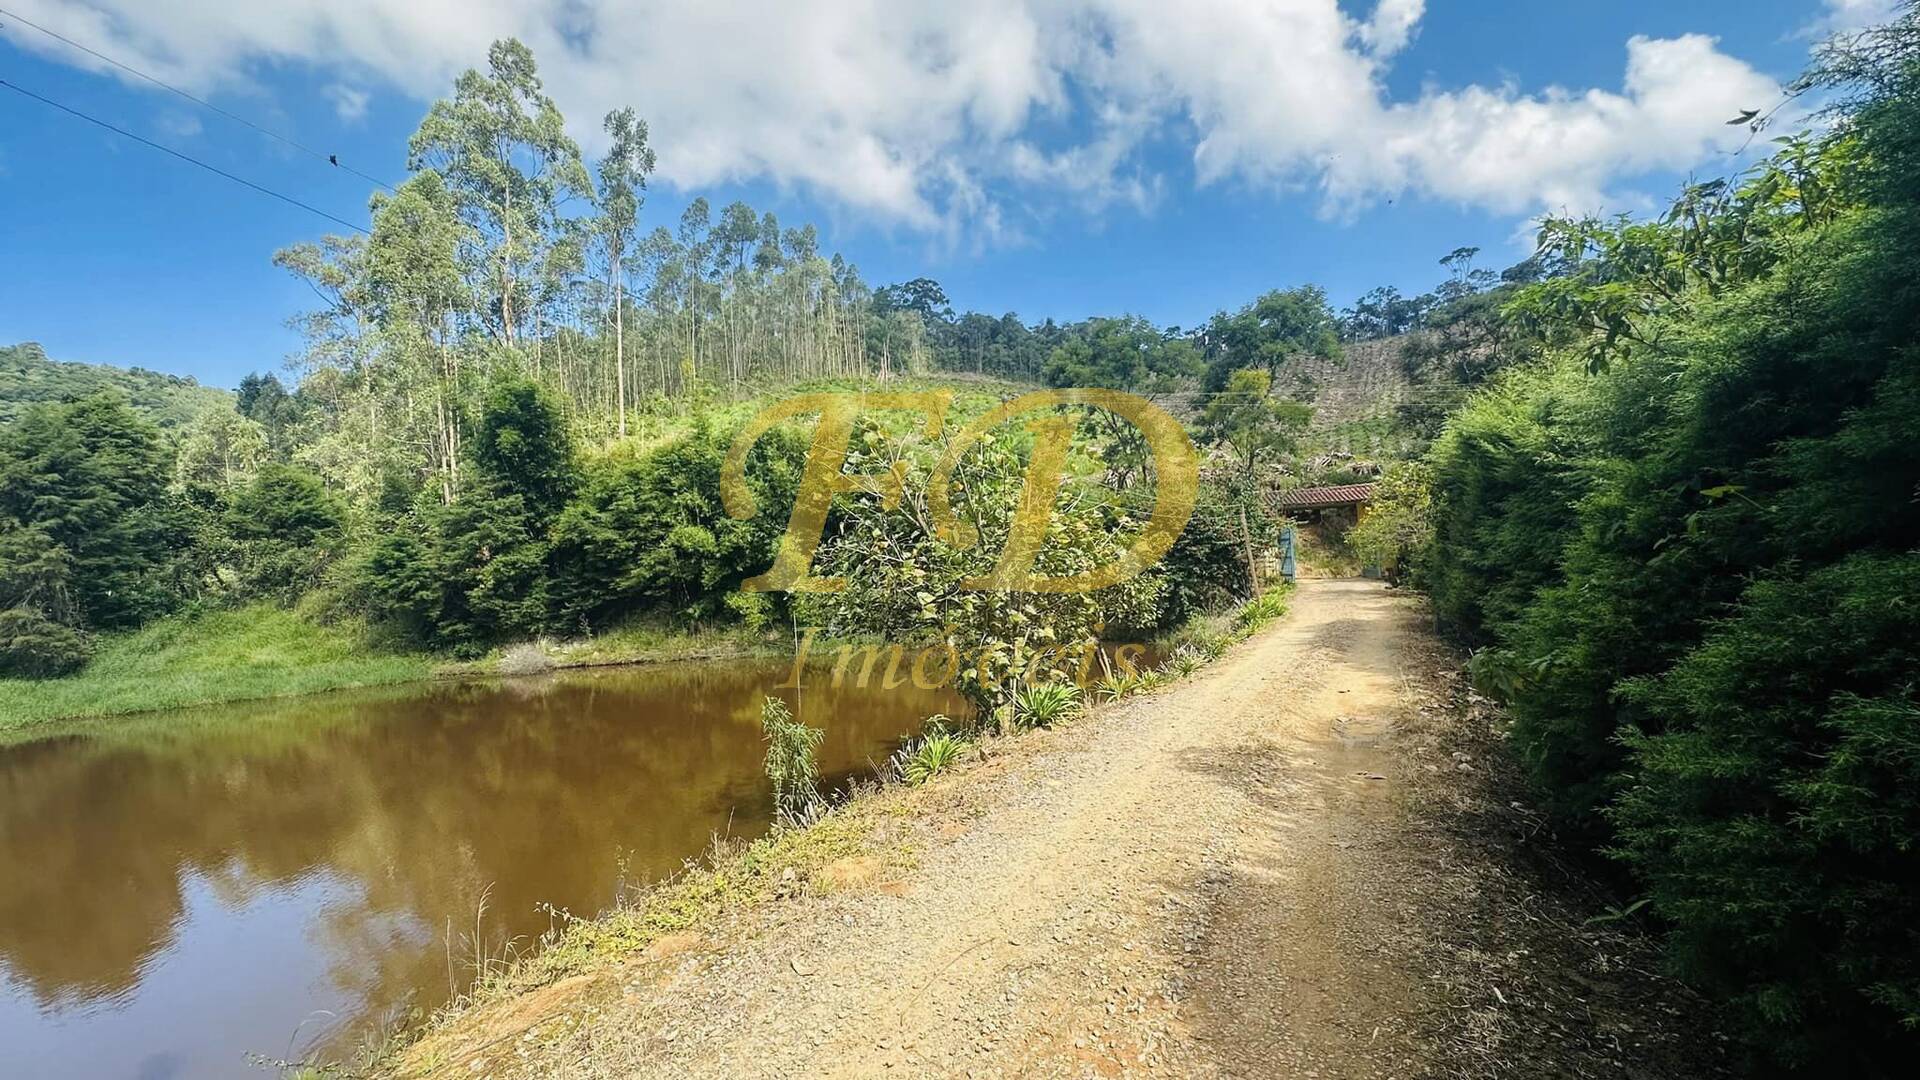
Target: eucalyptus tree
(419,294)
(502,147)
(338,332)
(623,176)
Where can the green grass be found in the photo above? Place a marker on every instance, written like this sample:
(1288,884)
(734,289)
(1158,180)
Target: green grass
(258,651)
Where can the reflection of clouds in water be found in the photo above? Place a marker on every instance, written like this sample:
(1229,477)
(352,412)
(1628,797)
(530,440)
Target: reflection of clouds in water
(210,880)
(227,979)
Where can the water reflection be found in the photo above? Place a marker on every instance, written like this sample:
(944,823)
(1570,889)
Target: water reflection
(183,890)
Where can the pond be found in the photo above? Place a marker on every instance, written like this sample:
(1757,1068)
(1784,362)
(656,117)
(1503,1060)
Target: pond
(191,894)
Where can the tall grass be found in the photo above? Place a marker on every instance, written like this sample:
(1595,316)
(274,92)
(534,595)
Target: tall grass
(257,651)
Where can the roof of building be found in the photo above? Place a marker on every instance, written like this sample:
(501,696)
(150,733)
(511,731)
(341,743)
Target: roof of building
(1314,498)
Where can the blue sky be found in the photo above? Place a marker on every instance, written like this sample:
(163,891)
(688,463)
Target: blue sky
(1054,159)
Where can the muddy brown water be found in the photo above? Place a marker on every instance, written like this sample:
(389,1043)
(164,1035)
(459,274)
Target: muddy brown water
(198,894)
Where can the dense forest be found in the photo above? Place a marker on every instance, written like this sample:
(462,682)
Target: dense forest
(171,402)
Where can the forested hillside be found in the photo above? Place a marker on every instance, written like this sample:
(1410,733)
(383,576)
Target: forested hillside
(27,376)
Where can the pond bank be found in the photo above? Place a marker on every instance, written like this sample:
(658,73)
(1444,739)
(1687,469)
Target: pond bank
(262,651)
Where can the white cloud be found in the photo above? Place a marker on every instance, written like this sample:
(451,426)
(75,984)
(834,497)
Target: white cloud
(1845,16)
(349,102)
(1392,25)
(945,117)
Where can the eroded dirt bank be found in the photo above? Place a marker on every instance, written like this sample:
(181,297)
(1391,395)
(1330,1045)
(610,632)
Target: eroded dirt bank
(1289,865)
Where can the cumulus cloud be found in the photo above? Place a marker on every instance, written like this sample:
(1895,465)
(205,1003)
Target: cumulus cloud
(1392,25)
(941,116)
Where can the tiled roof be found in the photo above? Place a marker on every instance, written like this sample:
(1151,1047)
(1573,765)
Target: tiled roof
(1313,498)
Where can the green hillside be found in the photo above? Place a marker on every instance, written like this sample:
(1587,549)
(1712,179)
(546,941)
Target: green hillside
(27,377)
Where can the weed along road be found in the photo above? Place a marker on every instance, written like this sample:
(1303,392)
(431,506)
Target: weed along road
(1208,880)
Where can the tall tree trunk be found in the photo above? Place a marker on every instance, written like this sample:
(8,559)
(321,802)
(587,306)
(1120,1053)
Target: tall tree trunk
(619,348)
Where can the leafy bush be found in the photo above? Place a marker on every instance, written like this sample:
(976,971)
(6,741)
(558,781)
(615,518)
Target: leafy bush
(287,527)
(1207,567)
(906,582)
(650,532)
(1397,531)
(1774,811)
(33,646)
(1689,542)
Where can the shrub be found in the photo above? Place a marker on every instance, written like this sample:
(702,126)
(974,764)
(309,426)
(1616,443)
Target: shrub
(905,582)
(1045,704)
(649,533)
(286,527)
(790,765)
(526,658)
(1690,541)
(1773,811)
(32,646)
(935,751)
(1397,530)
(1184,662)
(1262,609)
(1207,567)
(1211,646)
(1114,685)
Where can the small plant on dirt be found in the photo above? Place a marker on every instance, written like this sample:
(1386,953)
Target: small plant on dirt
(1262,609)
(1149,680)
(1211,647)
(1045,704)
(790,763)
(1184,662)
(1114,685)
(934,752)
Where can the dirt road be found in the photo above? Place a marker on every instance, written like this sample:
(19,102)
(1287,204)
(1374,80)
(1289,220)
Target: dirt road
(1211,880)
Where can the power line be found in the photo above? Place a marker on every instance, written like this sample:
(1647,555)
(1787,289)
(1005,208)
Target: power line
(216,170)
(330,159)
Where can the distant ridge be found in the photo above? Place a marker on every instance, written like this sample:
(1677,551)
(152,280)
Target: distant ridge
(28,377)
